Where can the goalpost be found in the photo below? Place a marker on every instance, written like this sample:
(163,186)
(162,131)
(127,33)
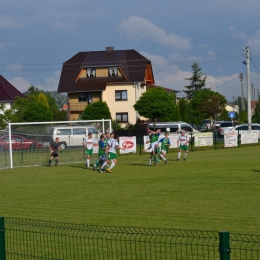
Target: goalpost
(28,144)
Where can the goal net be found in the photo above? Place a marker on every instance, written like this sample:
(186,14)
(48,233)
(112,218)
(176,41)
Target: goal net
(28,144)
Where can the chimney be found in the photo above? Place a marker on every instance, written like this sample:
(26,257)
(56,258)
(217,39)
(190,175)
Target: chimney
(109,49)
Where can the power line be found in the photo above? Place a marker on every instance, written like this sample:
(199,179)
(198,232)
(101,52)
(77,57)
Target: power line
(227,82)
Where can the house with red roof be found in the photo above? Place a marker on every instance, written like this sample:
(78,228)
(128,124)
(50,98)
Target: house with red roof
(117,77)
(8,93)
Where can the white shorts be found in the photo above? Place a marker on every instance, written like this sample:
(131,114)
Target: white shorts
(154,144)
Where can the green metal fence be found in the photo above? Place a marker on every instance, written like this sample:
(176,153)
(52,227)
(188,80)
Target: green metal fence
(23,239)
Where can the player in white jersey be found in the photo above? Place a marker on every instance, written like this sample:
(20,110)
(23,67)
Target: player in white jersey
(112,156)
(183,143)
(88,144)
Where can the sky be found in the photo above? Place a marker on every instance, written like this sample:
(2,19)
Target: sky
(37,37)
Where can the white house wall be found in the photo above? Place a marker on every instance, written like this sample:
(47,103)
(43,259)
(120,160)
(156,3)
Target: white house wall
(134,91)
(6,107)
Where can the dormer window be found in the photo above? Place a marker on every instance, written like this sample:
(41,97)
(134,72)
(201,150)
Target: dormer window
(112,72)
(91,73)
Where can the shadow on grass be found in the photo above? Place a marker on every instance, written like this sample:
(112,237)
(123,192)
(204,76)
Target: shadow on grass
(255,170)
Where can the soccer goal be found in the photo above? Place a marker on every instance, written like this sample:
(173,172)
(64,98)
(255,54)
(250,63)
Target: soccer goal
(28,144)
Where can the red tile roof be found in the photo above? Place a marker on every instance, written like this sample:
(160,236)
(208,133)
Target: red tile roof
(132,64)
(7,91)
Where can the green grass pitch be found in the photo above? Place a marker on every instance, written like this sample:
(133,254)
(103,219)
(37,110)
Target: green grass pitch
(212,190)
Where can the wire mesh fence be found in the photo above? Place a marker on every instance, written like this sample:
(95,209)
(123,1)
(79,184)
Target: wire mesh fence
(33,239)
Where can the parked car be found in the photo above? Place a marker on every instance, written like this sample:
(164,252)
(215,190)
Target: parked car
(216,124)
(208,122)
(225,127)
(19,143)
(175,127)
(72,135)
(244,127)
(204,127)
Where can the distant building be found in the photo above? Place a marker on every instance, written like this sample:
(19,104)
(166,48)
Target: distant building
(8,93)
(117,77)
(231,107)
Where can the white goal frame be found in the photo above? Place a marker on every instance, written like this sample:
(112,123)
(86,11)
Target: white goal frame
(102,122)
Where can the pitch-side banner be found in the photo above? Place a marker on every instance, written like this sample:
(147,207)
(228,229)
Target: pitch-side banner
(129,143)
(249,137)
(95,145)
(230,139)
(203,139)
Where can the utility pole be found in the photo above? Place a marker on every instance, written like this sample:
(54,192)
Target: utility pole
(253,91)
(248,88)
(242,92)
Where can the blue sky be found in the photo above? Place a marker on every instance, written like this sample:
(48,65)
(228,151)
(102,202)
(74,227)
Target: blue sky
(38,36)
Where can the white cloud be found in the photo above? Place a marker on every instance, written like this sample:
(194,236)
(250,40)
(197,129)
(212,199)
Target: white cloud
(158,62)
(169,75)
(137,28)
(20,83)
(63,26)
(236,34)
(6,45)
(51,83)
(10,22)
(14,66)
(254,41)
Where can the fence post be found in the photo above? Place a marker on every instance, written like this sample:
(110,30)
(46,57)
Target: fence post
(224,249)
(2,238)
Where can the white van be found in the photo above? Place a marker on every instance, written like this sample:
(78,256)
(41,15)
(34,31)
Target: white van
(72,136)
(175,127)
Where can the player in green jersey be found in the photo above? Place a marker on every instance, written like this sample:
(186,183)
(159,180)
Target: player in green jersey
(106,139)
(165,143)
(101,152)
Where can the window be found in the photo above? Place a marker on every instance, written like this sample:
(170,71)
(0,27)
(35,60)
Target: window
(255,127)
(121,95)
(112,72)
(18,139)
(91,73)
(122,117)
(186,128)
(79,131)
(64,131)
(85,97)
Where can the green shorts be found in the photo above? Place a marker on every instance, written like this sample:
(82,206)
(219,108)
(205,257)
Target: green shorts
(89,151)
(112,156)
(184,147)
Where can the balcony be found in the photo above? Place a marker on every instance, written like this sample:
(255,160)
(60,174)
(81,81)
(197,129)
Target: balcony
(78,106)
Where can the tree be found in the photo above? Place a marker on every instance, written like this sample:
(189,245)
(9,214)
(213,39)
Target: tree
(37,112)
(43,99)
(155,104)
(197,81)
(184,108)
(207,103)
(60,98)
(256,116)
(30,110)
(224,115)
(243,117)
(97,110)
(37,96)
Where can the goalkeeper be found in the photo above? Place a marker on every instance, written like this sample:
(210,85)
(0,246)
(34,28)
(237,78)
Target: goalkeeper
(54,147)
